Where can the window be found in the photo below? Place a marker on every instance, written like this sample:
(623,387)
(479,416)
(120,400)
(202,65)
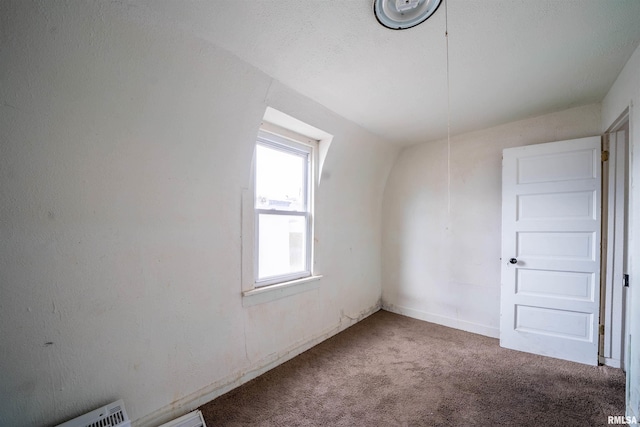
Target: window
(283,209)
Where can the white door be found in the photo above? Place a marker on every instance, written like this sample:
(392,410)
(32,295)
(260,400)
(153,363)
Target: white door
(551,199)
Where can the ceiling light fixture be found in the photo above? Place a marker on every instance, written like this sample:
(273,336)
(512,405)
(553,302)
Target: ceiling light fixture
(403,14)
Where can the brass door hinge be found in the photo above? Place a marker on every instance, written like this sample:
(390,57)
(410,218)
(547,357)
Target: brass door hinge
(601,329)
(605,156)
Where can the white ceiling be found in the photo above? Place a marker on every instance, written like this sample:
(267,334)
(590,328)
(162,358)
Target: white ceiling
(508,59)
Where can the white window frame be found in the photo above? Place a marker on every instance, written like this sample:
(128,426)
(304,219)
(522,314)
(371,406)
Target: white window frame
(297,145)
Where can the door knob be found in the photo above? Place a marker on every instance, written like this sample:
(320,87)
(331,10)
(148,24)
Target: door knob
(513,261)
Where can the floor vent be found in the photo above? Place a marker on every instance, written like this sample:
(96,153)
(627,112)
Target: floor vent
(192,419)
(111,415)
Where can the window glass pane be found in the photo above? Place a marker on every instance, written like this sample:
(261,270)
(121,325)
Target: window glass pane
(281,245)
(280,179)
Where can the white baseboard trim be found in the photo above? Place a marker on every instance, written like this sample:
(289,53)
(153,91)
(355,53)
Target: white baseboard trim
(464,325)
(228,383)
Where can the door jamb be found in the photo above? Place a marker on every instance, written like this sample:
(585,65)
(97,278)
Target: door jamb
(615,182)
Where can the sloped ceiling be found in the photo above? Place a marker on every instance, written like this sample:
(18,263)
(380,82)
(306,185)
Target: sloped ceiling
(508,59)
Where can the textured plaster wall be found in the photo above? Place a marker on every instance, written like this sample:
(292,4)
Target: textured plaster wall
(624,93)
(124,149)
(442,264)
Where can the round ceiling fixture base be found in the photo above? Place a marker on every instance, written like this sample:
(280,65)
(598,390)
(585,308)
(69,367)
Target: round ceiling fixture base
(403,14)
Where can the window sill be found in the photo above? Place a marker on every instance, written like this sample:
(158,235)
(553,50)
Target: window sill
(279,290)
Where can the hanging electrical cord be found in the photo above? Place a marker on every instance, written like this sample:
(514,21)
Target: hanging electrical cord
(446,37)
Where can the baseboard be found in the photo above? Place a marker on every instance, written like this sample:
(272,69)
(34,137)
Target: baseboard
(228,383)
(464,325)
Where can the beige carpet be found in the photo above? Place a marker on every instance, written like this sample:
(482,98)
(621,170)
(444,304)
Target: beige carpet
(391,370)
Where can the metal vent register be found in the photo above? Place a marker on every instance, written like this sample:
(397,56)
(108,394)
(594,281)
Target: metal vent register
(114,415)
(192,419)
(111,415)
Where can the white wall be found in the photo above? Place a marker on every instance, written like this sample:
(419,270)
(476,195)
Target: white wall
(124,150)
(445,267)
(624,93)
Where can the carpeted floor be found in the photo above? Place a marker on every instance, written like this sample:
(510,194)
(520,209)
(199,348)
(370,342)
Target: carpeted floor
(391,370)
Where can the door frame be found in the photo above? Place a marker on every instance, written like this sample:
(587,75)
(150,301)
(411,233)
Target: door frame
(615,254)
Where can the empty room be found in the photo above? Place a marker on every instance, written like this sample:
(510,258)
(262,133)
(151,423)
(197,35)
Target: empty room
(320,212)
